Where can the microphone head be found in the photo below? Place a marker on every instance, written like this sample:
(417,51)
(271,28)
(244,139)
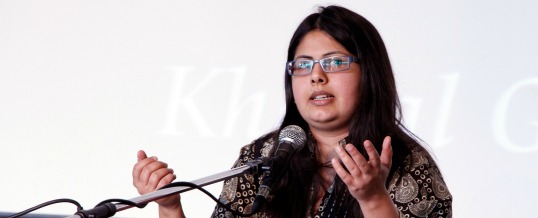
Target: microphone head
(294,135)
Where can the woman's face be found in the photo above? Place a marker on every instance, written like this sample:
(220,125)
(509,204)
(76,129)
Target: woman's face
(325,100)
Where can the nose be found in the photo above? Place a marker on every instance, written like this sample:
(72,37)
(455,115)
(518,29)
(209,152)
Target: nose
(318,76)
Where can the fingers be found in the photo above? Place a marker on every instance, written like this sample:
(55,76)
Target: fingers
(355,162)
(373,157)
(364,178)
(150,174)
(167,179)
(386,153)
(139,166)
(352,159)
(342,173)
(141,155)
(159,177)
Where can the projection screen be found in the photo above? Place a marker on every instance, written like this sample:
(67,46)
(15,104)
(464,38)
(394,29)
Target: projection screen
(84,85)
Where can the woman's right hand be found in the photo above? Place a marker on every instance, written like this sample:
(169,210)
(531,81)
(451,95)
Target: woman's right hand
(150,174)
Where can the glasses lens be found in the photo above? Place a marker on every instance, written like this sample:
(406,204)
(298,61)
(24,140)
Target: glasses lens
(330,64)
(301,67)
(334,64)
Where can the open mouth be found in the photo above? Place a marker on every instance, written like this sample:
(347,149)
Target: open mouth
(321,97)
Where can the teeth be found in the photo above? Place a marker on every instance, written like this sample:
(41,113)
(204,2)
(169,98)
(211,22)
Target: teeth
(320,97)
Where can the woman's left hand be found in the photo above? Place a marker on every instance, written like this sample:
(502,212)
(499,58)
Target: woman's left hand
(365,179)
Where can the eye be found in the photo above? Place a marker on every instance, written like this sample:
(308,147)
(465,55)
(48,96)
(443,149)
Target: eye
(302,64)
(339,61)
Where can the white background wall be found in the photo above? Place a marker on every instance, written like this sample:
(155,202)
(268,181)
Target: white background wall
(85,84)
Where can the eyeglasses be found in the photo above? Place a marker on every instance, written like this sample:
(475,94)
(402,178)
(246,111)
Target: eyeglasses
(328,65)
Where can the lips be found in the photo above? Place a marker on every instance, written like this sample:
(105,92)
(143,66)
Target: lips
(321,95)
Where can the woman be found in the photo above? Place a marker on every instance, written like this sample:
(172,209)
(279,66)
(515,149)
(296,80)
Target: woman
(360,161)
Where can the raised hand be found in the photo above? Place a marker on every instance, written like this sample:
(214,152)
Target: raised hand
(365,179)
(150,174)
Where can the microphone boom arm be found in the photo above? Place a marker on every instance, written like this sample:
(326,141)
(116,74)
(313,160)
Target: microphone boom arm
(254,167)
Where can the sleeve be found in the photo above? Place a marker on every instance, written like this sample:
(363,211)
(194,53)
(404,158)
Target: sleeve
(419,190)
(239,192)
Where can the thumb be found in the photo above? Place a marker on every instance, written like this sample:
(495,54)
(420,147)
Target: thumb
(141,155)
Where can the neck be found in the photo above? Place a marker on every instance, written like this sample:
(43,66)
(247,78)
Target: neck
(325,145)
(326,142)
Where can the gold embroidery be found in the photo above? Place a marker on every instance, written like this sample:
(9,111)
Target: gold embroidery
(423,208)
(229,191)
(417,189)
(407,189)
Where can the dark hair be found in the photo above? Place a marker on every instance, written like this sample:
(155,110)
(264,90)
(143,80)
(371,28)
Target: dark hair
(378,113)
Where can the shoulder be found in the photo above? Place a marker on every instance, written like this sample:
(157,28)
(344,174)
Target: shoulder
(261,147)
(239,192)
(418,188)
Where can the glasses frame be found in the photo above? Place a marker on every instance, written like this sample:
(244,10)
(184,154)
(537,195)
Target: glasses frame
(289,65)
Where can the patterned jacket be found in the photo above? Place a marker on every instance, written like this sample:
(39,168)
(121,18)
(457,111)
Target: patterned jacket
(419,191)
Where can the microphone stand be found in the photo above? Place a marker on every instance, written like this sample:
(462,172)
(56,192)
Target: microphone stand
(107,210)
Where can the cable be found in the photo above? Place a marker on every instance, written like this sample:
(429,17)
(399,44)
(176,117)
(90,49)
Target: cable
(131,203)
(106,208)
(122,201)
(61,200)
(192,185)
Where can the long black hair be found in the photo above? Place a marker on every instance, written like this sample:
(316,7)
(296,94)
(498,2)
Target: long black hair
(378,113)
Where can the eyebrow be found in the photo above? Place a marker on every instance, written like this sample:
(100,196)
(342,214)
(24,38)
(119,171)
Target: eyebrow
(324,55)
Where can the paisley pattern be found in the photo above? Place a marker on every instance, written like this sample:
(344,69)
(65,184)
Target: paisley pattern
(229,190)
(418,190)
(406,190)
(421,191)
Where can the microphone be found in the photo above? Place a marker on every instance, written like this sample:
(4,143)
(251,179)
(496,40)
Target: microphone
(291,139)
